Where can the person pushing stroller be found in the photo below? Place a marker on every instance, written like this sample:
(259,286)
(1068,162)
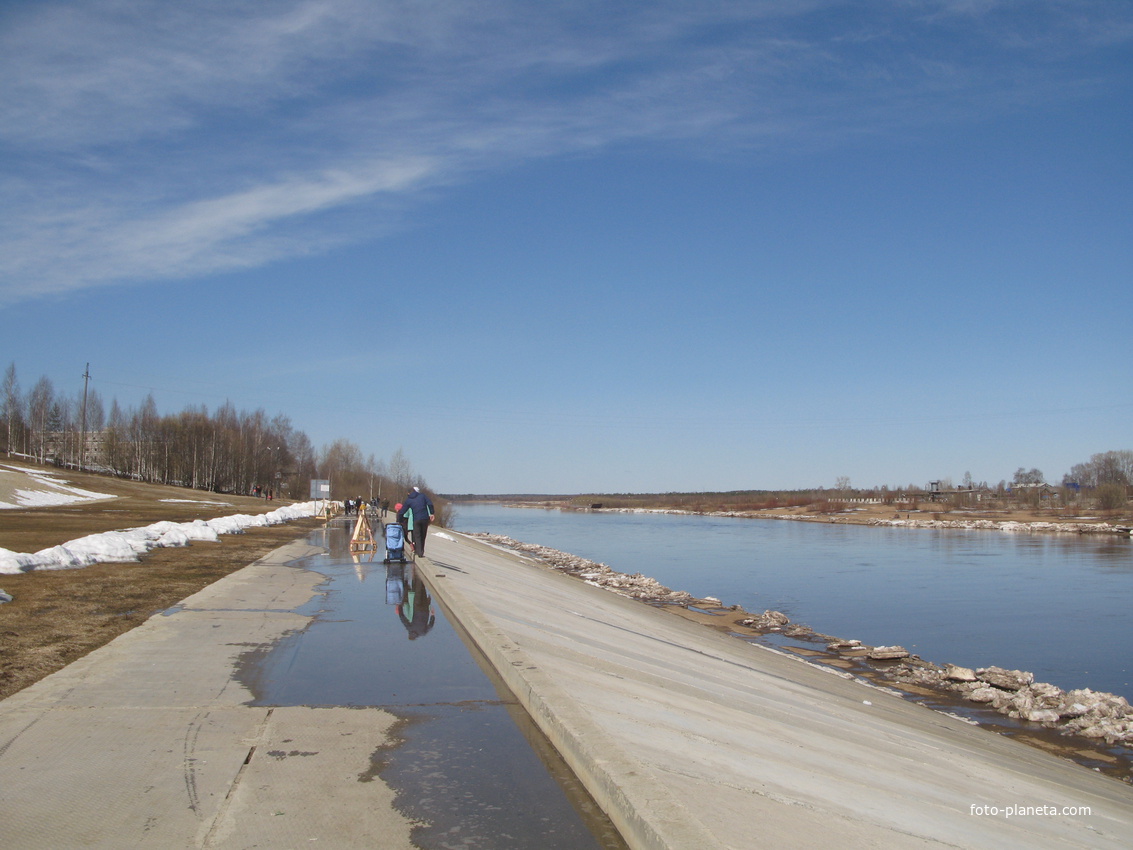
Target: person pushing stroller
(419,507)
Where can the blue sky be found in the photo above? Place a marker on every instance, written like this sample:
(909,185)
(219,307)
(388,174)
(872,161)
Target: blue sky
(582,246)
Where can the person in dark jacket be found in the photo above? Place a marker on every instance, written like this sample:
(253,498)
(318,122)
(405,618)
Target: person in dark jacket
(421,509)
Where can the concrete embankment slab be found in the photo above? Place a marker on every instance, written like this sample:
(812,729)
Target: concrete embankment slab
(150,742)
(691,738)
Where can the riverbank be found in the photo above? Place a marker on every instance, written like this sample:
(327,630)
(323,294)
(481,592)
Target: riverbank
(1014,520)
(1003,520)
(679,727)
(1092,728)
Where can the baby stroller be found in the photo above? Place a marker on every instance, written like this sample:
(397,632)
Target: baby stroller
(395,542)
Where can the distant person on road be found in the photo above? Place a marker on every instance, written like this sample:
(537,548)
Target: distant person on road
(419,507)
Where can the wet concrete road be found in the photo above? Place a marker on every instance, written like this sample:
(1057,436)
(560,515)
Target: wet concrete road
(346,734)
(464,760)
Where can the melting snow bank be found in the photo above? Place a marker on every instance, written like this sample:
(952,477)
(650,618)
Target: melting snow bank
(129,544)
(1013,693)
(1006,525)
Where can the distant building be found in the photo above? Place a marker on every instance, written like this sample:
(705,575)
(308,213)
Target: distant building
(62,447)
(1043,491)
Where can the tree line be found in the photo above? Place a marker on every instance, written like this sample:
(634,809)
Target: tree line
(222,451)
(1103,482)
(1108,475)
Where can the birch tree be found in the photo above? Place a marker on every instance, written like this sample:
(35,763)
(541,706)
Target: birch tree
(13,409)
(39,410)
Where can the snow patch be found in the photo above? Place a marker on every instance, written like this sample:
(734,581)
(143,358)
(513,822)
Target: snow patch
(195,502)
(37,488)
(127,545)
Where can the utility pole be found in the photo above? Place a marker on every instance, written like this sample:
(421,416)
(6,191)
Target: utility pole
(83,432)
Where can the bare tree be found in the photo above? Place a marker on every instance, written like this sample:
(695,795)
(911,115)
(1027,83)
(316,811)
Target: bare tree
(1111,496)
(1102,468)
(400,471)
(1023,477)
(341,463)
(40,399)
(12,408)
(306,468)
(229,451)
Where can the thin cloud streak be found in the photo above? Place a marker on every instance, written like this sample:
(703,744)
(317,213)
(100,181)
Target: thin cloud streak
(213,234)
(155,142)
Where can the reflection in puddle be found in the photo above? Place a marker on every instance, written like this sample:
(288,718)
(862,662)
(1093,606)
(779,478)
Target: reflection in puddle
(405,590)
(468,780)
(467,765)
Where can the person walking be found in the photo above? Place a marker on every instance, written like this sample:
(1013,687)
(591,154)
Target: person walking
(401,520)
(420,508)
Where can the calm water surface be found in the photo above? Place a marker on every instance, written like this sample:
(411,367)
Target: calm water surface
(1060,606)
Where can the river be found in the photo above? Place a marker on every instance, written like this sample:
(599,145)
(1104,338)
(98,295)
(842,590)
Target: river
(1060,606)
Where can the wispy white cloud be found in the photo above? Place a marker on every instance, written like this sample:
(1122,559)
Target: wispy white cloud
(150,141)
(98,244)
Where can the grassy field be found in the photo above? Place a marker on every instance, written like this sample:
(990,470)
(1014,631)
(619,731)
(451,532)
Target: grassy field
(58,616)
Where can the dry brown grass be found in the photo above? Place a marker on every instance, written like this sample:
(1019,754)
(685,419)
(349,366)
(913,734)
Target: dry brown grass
(58,616)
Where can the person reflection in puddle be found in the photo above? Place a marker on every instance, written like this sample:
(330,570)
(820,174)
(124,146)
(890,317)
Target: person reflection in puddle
(416,608)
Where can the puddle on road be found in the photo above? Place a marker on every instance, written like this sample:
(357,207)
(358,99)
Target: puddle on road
(468,765)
